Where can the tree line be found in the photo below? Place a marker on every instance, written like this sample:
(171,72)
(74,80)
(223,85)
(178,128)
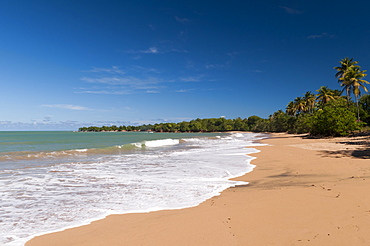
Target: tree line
(329,112)
(197,125)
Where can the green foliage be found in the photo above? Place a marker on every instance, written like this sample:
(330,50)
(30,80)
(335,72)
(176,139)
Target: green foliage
(364,103)
(262,125)
(333,121)
(279,122)
(325,95)
(300,124)
(197,125)
(253,121)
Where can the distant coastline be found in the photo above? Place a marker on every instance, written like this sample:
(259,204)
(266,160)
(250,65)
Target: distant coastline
(197,125)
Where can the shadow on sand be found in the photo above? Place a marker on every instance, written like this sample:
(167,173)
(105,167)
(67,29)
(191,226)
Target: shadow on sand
(362,140)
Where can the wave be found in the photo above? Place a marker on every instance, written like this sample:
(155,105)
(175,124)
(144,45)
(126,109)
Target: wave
(157,143)
(66,154)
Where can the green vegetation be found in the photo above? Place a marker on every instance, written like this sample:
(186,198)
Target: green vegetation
(198,125)
(327,113)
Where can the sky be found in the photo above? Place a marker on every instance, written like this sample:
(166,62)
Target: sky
(67,64)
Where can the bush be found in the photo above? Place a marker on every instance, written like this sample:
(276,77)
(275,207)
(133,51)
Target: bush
(300,124)
(334,121)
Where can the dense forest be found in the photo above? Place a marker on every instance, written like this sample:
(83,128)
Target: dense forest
(329,112)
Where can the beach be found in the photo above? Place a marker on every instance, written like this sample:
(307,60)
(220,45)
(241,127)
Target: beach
(301,192)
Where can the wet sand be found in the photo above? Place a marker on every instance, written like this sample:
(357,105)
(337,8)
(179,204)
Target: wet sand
(302,192)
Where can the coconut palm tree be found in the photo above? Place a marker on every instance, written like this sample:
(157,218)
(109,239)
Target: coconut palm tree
(345,64)
(352,81)
(325,94)
(291,109)
(300,104)
(310,100)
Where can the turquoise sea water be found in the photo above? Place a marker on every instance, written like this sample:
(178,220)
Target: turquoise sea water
(22,148)
(50,181)
(33,141)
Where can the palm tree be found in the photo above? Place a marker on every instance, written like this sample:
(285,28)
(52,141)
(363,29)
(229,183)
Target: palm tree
(300,104)
(291,109)
(352,81)
(325,94)
(345,65)
(310,100)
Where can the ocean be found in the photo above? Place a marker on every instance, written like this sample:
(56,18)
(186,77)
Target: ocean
(50,181)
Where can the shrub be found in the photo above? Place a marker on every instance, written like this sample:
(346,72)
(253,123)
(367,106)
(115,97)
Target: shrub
(334,121)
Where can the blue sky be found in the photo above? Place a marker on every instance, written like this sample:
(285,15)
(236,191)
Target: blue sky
(64,64)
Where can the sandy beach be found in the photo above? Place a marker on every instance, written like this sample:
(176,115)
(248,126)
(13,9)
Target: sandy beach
(302,192)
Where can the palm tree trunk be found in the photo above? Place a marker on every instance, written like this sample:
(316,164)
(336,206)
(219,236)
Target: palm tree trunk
(358,109)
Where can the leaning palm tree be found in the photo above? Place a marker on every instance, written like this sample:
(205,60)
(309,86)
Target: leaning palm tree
(325,94)
(352,81)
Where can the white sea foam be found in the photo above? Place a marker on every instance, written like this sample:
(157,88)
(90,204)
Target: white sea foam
(80,150)
(157,143)
(50,198)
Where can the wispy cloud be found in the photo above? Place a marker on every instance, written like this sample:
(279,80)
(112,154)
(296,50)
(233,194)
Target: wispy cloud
(211,66)
(191,79)
(184,90)
(150,50)
(322,35)
(152,91)
(112,70)
(143,69)
(291,11)
(156,50)
(122,84)
(134,80)
(128,81)
(182,20)
(107,92)
(256,71)
(65,106)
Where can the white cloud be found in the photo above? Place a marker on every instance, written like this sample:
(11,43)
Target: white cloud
(65,106)
(184,90)
(151,50)
(156,50)
(143,69)
(291,10)
(211,66)
(152,91)
(112,70)
(182,20)
(191,79)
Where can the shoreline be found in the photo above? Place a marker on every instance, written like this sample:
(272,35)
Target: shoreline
(300,192)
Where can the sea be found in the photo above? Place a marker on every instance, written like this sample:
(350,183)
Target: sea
(54,180)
